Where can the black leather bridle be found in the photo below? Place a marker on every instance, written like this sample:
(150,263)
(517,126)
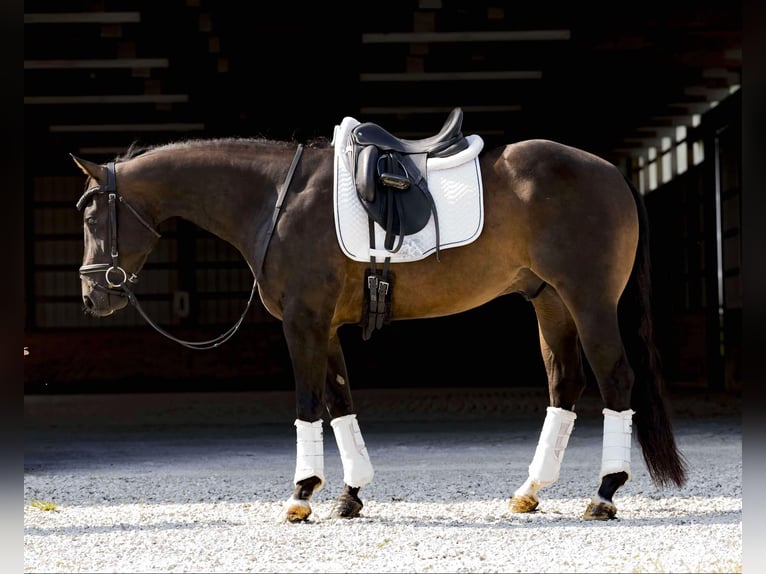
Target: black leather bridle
(119,286)
(117,278)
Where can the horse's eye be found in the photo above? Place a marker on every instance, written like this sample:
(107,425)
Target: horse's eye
(90,221)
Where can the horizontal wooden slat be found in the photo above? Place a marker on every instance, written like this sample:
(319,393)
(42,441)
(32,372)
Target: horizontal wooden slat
(100,63)
(424,134)
(486,36)
(168,127)
(103,99)
(394,110)
(82,17)
(710,94)
(451,76)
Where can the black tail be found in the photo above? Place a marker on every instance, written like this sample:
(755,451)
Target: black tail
(653,428)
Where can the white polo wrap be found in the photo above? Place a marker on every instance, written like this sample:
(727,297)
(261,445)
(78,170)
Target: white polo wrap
(554,437)
(357,468)
(618,428)
(309,460)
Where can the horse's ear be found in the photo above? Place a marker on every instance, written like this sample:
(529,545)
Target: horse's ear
(89,168)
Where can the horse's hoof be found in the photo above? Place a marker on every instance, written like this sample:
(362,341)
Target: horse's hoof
(296,510)
(346,506)
(523,503)
(600,510)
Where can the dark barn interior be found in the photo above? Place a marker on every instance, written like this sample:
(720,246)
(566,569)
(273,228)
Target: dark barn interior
(654,90)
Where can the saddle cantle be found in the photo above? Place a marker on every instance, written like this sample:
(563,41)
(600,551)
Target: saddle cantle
(390,176)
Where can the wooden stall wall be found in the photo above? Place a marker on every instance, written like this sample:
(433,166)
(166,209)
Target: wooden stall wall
(697,252)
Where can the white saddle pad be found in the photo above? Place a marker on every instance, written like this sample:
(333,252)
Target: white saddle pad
(454,183)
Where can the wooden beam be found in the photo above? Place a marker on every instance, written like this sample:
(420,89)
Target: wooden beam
(710,94)
(394,110)
(168,127)
(451,76)
(423,134)
(101,63)
(688,108)
(487,36)
(670,120)
(101,99)
(82,17)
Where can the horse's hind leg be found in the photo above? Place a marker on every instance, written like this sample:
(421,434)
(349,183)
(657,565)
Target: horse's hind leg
(357,468)
(566,382)
(600,337)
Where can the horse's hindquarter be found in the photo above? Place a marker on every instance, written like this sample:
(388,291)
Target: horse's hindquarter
(578,216)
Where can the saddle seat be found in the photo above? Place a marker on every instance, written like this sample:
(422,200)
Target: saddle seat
(446,142)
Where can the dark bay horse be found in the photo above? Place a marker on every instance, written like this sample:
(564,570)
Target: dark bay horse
(560,226)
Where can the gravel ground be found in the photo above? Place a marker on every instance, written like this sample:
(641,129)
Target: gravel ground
(195,483)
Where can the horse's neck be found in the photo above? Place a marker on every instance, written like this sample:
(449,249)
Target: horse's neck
(224,198)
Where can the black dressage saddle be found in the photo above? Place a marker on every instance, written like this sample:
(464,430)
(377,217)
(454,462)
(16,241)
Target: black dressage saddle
(391,181)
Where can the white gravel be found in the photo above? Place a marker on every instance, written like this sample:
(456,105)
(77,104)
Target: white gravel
(166,494)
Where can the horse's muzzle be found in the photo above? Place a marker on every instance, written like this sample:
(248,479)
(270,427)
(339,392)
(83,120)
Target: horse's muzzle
(101,301)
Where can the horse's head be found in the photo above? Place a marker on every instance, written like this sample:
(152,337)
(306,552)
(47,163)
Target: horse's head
(118,239)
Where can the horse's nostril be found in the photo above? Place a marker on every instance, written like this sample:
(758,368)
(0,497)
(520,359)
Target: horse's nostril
(87,301)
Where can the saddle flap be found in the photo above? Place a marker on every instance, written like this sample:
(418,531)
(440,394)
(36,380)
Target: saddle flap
(365,173)
(390,194)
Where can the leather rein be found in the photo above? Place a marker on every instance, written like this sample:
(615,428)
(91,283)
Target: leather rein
(117,278)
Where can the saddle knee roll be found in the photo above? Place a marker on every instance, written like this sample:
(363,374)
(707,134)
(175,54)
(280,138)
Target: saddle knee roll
(357,468)
(309,460)
(618,429)
(554,438)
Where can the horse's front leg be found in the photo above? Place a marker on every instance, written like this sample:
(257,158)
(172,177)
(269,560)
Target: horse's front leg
(357,468)
(309,470)
(306,335)
(321,381)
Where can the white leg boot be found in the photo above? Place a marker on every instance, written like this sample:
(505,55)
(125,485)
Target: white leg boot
(618,432)
(309,461)
(546,464)
(615,458)
(357,468)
